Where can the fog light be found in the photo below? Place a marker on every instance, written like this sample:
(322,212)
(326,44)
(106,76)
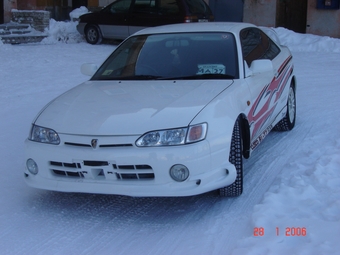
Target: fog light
(179,173)
(32,166)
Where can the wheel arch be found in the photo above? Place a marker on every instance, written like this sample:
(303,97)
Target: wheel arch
(92,24)
(293,83)
(245,134)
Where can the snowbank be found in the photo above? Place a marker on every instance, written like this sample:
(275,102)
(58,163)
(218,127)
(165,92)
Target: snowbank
(307,42)
(76,13)
(64,32)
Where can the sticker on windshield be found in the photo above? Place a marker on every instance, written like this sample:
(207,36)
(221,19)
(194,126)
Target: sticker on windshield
(107,72)
(211,69)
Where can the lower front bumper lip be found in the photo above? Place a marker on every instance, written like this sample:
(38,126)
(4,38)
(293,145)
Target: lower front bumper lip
(193,186)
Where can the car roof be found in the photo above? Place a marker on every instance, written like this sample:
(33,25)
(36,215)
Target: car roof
(233,27)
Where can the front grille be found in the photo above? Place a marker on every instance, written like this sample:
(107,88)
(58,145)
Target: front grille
(115,145)
(95,163)
(68,173)
(133,172)
(100,146)
(70,165)
(66,169)
(91,169)
(124,176)
(78,144)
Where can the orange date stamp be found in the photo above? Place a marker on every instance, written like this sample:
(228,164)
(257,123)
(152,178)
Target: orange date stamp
(289,231)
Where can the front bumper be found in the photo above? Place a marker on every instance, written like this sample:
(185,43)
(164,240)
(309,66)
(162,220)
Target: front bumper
(117,166)
(81,28)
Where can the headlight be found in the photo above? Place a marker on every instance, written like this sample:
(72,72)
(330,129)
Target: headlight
(177,136)
(44,135)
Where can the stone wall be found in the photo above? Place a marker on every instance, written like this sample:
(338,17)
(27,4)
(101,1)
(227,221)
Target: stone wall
(39,20)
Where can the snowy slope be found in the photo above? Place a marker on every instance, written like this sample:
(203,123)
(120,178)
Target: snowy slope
(292,181)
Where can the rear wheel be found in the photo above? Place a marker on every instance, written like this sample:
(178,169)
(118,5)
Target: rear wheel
(93,34)
(288,122)
(235,158)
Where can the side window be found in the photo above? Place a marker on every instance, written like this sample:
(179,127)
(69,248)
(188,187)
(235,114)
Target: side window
(168,6)
(144,6)
(121,6)
(257,45)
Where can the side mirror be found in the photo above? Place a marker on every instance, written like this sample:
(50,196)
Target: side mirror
(259,66)
(88,69)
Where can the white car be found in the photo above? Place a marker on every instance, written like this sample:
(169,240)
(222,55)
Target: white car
(171,112)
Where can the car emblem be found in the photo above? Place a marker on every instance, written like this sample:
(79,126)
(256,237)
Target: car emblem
(94,143)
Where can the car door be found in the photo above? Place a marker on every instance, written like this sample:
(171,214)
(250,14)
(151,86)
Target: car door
(114,19)
(150,13)
(263,86)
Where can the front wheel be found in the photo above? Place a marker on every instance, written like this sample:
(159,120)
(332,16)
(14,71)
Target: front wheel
(93,34)
(288,122)
(235,158)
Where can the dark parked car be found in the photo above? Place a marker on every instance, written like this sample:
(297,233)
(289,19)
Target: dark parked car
(125,17)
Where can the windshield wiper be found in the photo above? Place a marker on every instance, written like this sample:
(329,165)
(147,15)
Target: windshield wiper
(202,77)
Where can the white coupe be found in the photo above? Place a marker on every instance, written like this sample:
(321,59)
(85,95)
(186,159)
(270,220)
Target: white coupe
(171,112)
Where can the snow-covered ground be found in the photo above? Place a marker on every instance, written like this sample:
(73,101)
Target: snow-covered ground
(291,200)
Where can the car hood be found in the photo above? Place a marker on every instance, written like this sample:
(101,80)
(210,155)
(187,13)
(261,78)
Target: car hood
(128,107)
(90,16)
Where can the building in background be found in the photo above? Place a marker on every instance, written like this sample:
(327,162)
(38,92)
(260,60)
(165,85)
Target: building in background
(320,17)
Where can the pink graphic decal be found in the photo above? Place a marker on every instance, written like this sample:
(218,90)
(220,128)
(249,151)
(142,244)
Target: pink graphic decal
(265,104)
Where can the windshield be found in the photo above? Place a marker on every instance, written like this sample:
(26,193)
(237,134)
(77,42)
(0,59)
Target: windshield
(172,56)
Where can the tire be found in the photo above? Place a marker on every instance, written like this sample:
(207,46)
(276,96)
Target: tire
(93,34)
(235,158)
(288,122)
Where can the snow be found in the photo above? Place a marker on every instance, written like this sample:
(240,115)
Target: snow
(60,31)
(75,14)
(291,183)
(308,43)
